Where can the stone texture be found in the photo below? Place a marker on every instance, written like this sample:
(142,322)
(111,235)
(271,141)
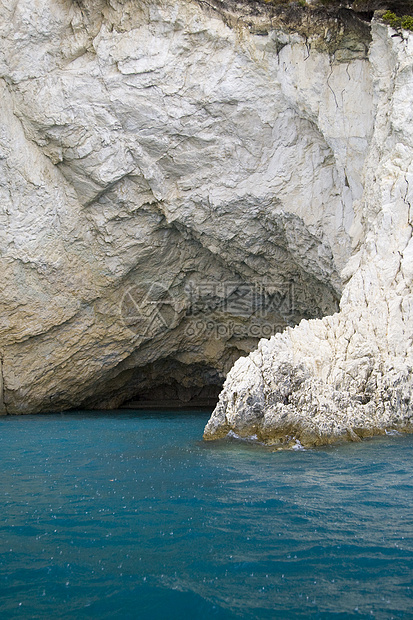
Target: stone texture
(158,160)
(348,375)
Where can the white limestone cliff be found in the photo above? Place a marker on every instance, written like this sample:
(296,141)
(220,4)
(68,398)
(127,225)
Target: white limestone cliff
(348,375)
(158,160)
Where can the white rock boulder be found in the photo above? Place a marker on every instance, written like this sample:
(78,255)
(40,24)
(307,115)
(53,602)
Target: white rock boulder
(348,375)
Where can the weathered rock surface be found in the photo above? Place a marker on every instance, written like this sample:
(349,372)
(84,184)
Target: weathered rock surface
(177,181)
(350,374)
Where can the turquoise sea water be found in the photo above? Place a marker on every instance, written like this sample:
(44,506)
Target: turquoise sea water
(131,515)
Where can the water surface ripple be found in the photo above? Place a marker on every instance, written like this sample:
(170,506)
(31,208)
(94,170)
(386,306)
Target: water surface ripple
(130,515)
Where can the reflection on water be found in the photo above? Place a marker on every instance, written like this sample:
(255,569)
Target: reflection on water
(130,515)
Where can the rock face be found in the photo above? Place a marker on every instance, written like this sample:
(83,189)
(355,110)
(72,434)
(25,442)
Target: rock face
(350,374)
(179,179)
(176,182)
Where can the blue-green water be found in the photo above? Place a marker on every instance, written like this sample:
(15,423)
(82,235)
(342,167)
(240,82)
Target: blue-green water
(131,515)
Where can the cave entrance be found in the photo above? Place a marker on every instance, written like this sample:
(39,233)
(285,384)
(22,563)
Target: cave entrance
(182,362)
(176,396)
(170,384)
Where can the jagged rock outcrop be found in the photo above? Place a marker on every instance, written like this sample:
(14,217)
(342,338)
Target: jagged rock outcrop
(177,180)
(348,375)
